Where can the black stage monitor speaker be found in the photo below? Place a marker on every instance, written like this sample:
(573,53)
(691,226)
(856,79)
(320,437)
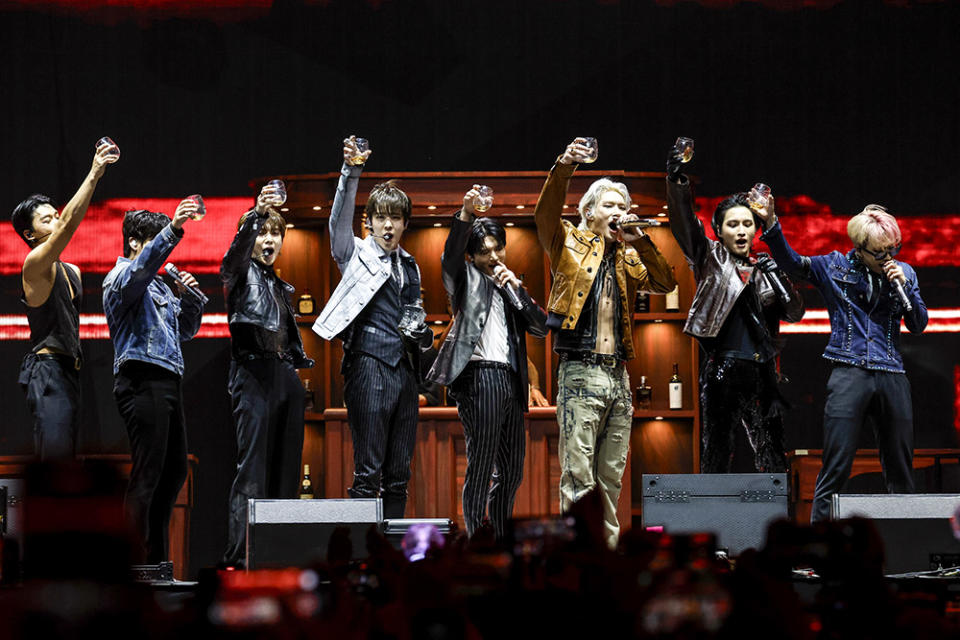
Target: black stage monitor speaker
(294,533)
(736,507)
(915,528)
(396,528)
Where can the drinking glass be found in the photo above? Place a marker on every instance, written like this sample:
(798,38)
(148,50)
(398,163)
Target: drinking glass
(759,196)
(484,199)
(280,190)
(412,319)
(363,145)
(684,148)
(591,143)
(201,208)
(114,154)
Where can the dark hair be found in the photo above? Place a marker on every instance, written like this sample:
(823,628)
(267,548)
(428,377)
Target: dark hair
(483,227)
(388,198)
(272,218)
(22,216)
(141,225)
(736,200)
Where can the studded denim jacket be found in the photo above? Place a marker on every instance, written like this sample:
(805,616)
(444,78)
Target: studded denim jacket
(862,333)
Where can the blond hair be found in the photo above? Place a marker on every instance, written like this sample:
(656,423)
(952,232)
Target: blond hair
(595,192)
(873,223)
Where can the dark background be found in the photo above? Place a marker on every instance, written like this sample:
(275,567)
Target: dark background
(851,103)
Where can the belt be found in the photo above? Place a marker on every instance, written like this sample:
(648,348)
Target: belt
(264,355)
(489,364)
(62,358)
(588,357)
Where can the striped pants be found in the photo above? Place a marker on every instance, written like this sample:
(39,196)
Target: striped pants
(491,410)
(382,412)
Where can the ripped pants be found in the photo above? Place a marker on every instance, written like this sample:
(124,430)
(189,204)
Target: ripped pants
(595,414)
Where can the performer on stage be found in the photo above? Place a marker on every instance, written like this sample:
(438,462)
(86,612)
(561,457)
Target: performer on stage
(483,361)
(50,372)
(378,292)
(147,324)
(265,392)
(597,269)
(735,314)
(866,292)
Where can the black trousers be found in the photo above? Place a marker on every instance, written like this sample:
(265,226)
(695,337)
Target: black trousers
(151,405)
(52,386)
(852,395)
(382,412)
(735,392)
(491,410)
(267,399)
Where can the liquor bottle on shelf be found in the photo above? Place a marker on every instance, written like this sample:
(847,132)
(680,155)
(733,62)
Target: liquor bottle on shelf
(672,299)
(306,487)
(305,305)
(676,389)
(308,397)
(644,394)
(642,303)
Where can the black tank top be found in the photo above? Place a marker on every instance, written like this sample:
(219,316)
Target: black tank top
(55,324)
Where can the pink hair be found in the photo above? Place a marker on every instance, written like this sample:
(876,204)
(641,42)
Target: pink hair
(874,223)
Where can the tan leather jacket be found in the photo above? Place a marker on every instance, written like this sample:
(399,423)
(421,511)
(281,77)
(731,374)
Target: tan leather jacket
(575,255)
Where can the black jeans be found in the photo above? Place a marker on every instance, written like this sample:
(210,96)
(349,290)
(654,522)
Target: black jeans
(52,385)
(382,412)
(151,405)
(491,410)
(267,399)
(735,392)
(852,395)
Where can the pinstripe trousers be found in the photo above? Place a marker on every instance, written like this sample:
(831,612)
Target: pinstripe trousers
(382,412)
(491,410)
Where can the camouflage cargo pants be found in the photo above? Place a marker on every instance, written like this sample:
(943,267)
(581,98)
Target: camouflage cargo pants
(595,414)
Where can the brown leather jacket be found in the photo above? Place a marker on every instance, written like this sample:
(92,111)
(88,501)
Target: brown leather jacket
(718,283)
(575,255)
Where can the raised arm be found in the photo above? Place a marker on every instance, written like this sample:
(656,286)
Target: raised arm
(38,273)
(796,265)
(453,268)
(344,203)
(131,284)
(547,214)
(684,223)
(915,319)
(237,258)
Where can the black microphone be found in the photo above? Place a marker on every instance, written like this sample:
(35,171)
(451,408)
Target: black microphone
(193,291)
(769,267)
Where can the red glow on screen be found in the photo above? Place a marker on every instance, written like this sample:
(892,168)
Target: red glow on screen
(98,241)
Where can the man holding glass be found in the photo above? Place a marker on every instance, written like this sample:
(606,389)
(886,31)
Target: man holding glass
(378,313)
(866,292)
(266,394)
(52,291)
(597,268)
(484,362)
(147,324)
(735,316)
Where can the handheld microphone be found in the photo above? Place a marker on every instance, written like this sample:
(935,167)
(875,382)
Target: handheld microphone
(193,291)
(642,223)
(769,267)
(904,300)
(512,295)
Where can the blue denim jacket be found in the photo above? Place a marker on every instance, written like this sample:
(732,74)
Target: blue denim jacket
(860,334)
(147,321)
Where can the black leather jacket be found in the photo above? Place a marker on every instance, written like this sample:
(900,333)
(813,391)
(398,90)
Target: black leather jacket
(246,288)
(470,295)
(715,270)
